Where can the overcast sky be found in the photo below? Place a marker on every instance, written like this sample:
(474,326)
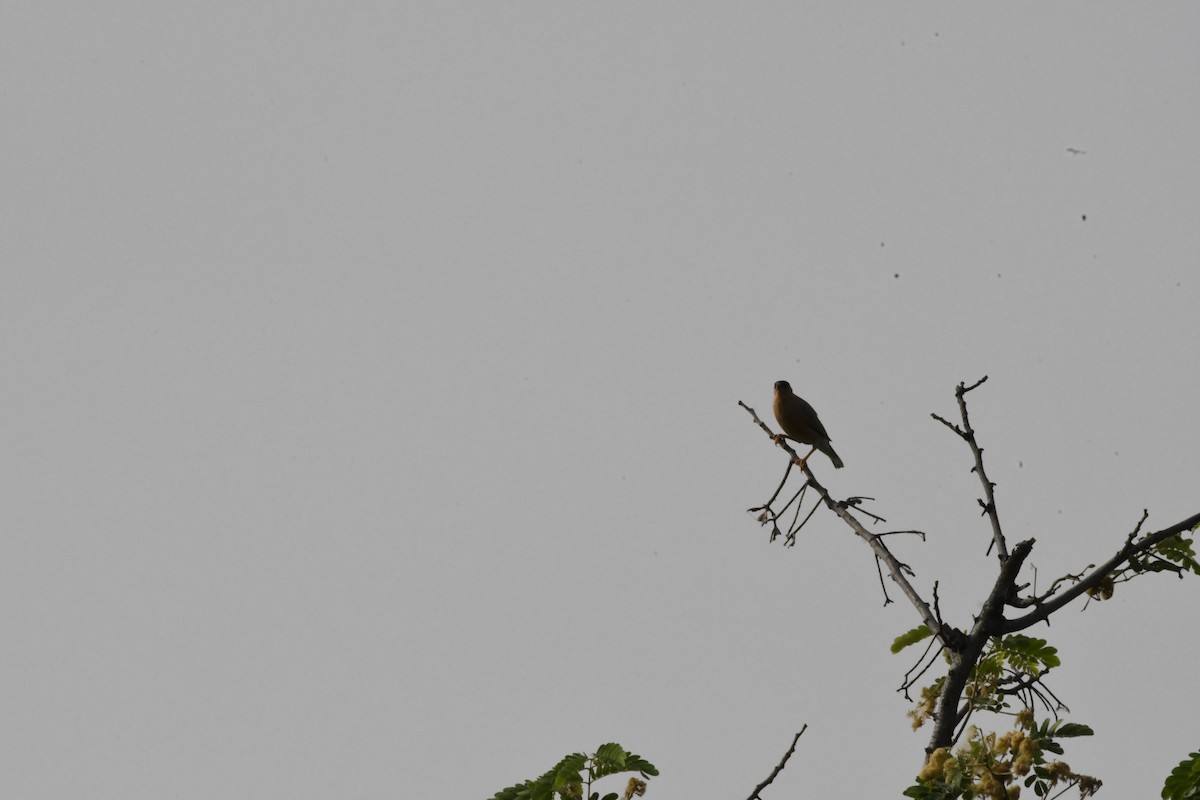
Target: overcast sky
(371,376)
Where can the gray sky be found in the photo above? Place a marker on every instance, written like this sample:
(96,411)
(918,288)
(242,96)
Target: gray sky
(371,375)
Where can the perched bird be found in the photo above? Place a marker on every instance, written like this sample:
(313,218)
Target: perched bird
(800,422)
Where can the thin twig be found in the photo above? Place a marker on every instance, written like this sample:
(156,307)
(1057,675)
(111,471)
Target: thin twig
(856,503)
(916,672)
(899,533)
(779,488)
(779,767)
(887,601)
(791,537)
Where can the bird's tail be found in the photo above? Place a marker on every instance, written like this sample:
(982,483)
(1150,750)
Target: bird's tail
(837,461)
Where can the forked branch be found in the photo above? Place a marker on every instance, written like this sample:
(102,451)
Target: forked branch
(967,433)
(895,569)
(1131,549)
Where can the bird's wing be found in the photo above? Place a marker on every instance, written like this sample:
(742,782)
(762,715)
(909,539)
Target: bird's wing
(816,421)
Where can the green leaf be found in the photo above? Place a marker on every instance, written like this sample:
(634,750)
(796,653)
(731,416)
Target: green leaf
(609,759)
(911,637)
(1074,729)
(1184,781)
(521,790)
(611,752)
(643,766)
(1026,652)
(566,781)
(1180,551)
(567,771)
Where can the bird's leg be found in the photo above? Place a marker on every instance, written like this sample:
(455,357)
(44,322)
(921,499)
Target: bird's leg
(806,455)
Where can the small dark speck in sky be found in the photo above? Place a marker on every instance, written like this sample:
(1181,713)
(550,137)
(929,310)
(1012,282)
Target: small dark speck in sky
(895,274)
(1085,217)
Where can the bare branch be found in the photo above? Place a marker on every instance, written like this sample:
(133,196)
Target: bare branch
(779,767)
(896,570)
(948,424)
(967,433)
(856,503)
(975,385)
(760,423)
(1093,579)
(1025,602)
(791,537)
(887,601)
(778,489)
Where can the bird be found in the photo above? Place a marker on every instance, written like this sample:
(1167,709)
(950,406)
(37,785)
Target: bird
(800,422)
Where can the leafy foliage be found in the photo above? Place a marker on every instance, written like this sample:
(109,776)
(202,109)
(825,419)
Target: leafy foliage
(991,766)
(1010,667)
(572,777)
(911,637)
(1178,554)
(1184,781)
(1026,654)
(1175,555)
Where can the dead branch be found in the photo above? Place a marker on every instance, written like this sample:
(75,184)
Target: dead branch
(967,433)
(778,767)
(896,570)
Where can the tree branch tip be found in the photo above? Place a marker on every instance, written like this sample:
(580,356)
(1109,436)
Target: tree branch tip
(974,385)
(779,768)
